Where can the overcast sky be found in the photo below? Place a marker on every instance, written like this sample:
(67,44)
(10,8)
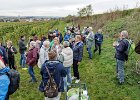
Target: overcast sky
(58,7)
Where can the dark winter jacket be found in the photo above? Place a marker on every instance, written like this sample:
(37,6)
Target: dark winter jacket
(58,74)
(32,57)
(22,46)
(4,54)
(121,49)
(98,38)
(78,51)
(10,53)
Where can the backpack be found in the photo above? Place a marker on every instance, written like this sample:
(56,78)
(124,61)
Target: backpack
(14,77)
(137,48)
(130,49)
(51,89)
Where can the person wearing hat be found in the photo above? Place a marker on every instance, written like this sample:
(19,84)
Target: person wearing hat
(32,60)
(56,67)
(90,41)
(4,80)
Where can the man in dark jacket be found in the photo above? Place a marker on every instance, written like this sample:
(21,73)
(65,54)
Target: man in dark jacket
(58,71)
(22,50)
(121,47)
(98,41)
(77,57)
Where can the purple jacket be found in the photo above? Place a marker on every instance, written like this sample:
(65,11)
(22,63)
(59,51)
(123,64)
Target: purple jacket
(32,57)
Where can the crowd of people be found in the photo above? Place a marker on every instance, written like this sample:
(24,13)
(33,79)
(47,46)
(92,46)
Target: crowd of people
(55,57)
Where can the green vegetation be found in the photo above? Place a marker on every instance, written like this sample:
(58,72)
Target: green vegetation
(100,72)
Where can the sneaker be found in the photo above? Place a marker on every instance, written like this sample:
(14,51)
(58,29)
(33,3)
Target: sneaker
(77,81)
(73,78)
(24,68)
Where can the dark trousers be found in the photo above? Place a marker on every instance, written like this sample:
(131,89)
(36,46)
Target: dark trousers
(75,69)
(12,63)
(97,46)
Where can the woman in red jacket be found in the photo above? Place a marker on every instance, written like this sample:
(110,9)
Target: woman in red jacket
(32,60)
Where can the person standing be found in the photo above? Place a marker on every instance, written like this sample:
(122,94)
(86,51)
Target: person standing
(67,59)
(57,71)
(4,80)
(4,55)
(22,50)
(121,47)
(90,42)
(32,60)
(57,46)
(77,57)
(11,57)
(98,41)
(43,54)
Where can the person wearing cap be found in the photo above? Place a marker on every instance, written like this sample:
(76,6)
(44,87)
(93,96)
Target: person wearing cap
(59,72)
(90,41)
(43,54)
(67,59)
(98,41)
(121,47)
(32,60)
(77,57)
(4,80)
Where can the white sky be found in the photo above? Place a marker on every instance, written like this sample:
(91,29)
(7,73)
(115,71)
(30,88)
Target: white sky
(58,7)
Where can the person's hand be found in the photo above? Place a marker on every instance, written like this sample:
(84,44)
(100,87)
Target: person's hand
(115,44)
(78,63)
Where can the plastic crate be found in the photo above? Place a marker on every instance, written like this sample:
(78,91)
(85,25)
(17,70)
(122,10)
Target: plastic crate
(81,87)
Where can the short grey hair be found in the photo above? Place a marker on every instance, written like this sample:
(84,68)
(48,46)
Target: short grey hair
(46,43)
(125,34)
(33,43)
(66,44)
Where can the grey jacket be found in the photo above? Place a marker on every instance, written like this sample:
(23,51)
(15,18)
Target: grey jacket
(90,40)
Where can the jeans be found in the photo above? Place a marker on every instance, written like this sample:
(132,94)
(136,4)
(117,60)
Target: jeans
(31,72)
(89,52)
(67,79)
(75,69)
(55,98)
(120,70)
(22,60)
(97,46)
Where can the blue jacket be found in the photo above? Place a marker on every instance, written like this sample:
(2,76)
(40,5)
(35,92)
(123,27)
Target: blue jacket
(67,37)
(78,51)
(4,54)
(121,49)
(98,38)
(58,76)
(4,83)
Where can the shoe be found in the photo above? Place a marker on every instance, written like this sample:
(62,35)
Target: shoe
(120,83)
(77,81)
(73,78)
(30,81)
(24,68)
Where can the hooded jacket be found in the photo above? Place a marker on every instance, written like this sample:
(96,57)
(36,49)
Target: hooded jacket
(58,74)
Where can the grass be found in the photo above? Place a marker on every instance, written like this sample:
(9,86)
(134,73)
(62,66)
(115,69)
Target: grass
(99,74)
